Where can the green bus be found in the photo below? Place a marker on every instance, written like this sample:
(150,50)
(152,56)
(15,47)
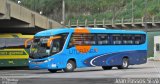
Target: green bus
(12,50)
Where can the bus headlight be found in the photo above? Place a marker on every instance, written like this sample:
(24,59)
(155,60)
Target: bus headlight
(46,61)
(53,65)
(50,59)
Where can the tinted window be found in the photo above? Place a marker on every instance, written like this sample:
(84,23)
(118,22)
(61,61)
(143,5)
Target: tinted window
(82,39)
(107,39)
(12,42)
(139,39)
(103,39)
(117,40)
(128,39)
(58,44)
(63,40)
(2,43)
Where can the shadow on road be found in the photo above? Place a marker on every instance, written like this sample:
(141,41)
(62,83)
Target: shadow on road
(92,70)
(14,68)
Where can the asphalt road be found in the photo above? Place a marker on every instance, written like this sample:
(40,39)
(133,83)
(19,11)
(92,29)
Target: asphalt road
(94,75)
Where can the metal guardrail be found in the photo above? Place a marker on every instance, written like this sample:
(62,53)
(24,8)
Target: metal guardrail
(103,22)
(127,20)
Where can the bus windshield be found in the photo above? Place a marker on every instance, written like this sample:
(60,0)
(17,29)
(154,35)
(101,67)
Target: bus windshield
(39,48)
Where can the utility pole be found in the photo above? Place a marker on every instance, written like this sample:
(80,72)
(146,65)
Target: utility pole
(145,16)
(132,10)
(34,6)
(63,12)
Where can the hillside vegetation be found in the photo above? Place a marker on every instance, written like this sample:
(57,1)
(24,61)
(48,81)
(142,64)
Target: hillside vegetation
(95,9)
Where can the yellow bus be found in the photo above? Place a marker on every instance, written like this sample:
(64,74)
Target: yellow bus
(12,50)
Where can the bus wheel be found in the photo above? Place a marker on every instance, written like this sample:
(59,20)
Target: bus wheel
(52,70)
(106,67)
(125,64)
(70,66)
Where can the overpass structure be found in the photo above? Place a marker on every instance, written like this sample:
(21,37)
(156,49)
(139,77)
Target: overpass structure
(16,18)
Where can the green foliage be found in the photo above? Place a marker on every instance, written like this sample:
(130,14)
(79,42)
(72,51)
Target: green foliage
(95,9)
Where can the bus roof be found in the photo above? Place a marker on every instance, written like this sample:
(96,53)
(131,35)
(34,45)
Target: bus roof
(92,30)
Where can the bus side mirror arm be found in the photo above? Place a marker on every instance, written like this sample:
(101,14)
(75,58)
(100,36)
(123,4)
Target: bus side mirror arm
(51,39)
(26,42)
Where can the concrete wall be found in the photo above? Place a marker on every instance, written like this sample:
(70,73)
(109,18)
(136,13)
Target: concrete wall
(156,47)
(2,6)
(151,42)
(14,10)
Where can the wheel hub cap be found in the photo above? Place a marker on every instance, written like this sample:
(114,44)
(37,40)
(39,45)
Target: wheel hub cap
(69,66)
(125,63)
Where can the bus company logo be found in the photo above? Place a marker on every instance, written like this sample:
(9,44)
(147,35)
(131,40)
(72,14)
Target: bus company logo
(13,52)
(80,52)
(78,33)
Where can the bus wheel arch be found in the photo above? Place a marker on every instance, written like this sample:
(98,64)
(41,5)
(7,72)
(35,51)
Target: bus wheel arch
(70,65)
(125,63)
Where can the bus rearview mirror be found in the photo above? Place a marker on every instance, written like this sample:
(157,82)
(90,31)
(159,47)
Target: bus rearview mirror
(26,42)
(51,39)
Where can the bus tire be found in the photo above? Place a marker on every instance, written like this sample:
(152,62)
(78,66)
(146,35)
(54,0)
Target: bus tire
(125,64)
(52,70)
(70,66)
(107,67)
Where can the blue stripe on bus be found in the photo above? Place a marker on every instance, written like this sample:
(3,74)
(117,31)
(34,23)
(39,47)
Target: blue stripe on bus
(135,57)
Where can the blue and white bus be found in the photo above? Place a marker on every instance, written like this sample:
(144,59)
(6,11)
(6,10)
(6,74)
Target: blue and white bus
(70,48)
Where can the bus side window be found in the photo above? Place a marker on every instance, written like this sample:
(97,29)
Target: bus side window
(117,40)
(89,39)
(2,43)
(76,39)
(63,39)
(82,39)
(103,39)
(14,42)
(139,39)
(71,43)
(128,39)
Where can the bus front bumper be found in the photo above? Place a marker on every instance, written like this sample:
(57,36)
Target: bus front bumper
(45,64)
